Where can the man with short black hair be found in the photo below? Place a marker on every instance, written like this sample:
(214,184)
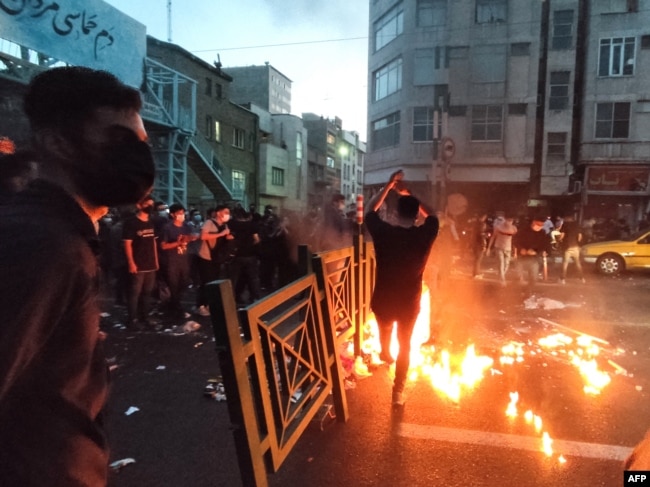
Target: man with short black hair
(401,252)
(90,143)
(177,234)
(141,250)
(531,244)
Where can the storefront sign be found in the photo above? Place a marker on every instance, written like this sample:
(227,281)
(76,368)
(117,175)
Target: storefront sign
(617,179)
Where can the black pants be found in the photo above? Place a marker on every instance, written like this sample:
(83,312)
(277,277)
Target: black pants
(405,325)
(208,272)
(244,273)
(141,286)
(177,277)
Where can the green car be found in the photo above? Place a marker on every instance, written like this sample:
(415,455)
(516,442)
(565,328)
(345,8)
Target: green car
(615,256)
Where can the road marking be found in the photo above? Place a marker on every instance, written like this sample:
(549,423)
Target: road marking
(504,440)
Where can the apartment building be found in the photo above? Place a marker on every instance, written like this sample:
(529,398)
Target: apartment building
(264,86)
(518,106)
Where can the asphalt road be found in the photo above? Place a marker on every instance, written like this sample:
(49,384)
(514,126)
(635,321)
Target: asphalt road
(179,437)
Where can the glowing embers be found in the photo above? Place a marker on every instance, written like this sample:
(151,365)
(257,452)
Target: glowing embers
(453,374)
(580,352)
(532,419)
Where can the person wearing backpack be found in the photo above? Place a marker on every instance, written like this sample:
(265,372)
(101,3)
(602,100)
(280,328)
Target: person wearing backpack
(215,235)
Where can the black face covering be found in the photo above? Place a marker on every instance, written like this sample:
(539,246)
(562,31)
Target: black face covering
(118,172)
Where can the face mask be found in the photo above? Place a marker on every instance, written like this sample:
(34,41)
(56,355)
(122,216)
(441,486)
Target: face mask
(225,218)
(197,218)
(163,213)
(180,218)
(118,172)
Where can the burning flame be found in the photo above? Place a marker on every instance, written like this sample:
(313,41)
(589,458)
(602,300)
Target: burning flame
(453,374)
(583,357)
(547,443)
(511,410)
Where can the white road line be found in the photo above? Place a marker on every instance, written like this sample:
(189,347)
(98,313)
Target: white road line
(504,440)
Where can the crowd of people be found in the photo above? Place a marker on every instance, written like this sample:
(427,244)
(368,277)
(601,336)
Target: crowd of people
(155,253)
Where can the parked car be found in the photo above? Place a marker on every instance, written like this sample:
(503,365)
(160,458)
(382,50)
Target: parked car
(614,256)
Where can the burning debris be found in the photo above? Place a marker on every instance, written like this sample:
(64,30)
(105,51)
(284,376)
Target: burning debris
(454,372)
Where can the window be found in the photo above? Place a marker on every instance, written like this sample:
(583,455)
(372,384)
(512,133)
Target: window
(385,131)
(431,13)
(238,138)
(612,120)
(423,120)
(489,11)
(208,127)
(330,162)
(616,56)
(331,139)
(208,86)
(562,29)
(442,57)
(277,176)
(388,79)
(517,109)
(423,67)
(389,26)
(556,146)
(487,122)
(219,92)
(489,63)
(298,148)
(559,96)
(217,131)
(238,184)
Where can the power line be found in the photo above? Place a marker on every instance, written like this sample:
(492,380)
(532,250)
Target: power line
(285,44)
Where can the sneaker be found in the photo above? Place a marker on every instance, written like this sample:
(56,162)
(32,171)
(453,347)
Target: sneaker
(583,280)
(202,311)
(562,281)
(398,398)
(478,276)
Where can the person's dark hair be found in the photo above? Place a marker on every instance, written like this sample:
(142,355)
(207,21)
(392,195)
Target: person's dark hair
(65,98)
(408,206)
(145,199)
(220,207)
(176,207)
(337,198)
(239,213)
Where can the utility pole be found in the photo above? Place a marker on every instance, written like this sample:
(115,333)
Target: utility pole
(538,151)
(169,20)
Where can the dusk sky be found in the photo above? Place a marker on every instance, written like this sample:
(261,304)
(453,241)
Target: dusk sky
(321,46)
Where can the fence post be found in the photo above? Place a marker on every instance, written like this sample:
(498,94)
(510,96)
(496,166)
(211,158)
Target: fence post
(223,314)
(304,260)
(359,318)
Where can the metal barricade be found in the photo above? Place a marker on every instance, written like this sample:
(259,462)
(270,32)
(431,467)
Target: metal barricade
(278,366)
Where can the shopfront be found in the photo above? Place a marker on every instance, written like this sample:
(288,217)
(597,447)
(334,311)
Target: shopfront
(614,192)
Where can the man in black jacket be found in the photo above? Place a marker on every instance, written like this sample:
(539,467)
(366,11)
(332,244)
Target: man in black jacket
(53,377)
